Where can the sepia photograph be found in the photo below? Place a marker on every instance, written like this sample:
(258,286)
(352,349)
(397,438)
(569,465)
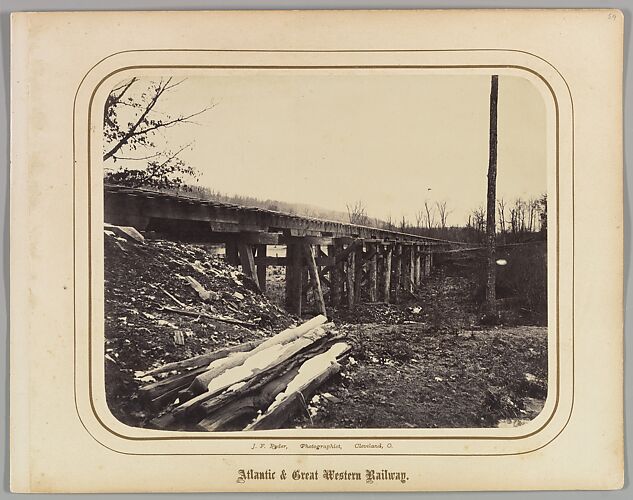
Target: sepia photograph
(317,251)
(325,249)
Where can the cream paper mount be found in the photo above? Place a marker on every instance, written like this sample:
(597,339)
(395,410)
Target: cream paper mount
(385,101)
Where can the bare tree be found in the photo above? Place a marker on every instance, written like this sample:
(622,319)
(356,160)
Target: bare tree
(501,212)
(477,219)
(429,213)
(491,276)
(131,121)
(542,201)
(403,224)
(419,218)
(357,213)
(443,213)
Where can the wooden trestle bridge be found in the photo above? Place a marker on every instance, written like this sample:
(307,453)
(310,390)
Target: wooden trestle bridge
(350,260)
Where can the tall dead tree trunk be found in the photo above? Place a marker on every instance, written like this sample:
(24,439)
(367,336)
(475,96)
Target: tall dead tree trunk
(491,277)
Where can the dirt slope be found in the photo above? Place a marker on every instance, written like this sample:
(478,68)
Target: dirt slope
(139,335)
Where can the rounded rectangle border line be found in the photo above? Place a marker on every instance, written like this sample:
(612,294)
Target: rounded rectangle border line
(89,386)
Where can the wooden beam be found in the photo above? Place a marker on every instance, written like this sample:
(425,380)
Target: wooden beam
(372,250)
(231,253)
(293,279)
(247,260)
(261,267)
(358,274)
(282,261)
(407,267)
(259,237)
(416,265)
(271,261)
(349,278)
(427,262)
(311,240)
(397,275)
(386,288)
(308,252)
(336,273)
(343,254)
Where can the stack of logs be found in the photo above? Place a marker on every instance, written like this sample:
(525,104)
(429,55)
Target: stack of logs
(348,267)
(257,385)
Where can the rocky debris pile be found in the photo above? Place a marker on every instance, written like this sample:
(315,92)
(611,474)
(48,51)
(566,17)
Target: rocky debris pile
(257,385)
(166,302)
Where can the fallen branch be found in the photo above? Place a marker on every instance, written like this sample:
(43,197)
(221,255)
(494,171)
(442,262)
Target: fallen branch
(173,298)
(224,319)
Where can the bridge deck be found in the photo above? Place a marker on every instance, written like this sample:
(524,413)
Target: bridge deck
(193,218)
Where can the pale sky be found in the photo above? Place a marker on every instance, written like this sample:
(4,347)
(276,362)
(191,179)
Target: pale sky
(391,140)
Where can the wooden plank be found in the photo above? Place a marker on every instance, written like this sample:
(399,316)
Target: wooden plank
(247,260)
(416,265)
(358,274)
(427,262)
(259,237)
(342,255)
(397,274)
(294,280)
(386,289)
(271,261)
(350,269)
(283,261)
(336,274)
(261,267)
(407,268)
(372,249)
(308,251)
(309,239)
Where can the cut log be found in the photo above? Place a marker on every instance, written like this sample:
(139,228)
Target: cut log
(204,359)
(200,384)
(152,392)
(255,384)
(246,407)
(258,361)
(311,375)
